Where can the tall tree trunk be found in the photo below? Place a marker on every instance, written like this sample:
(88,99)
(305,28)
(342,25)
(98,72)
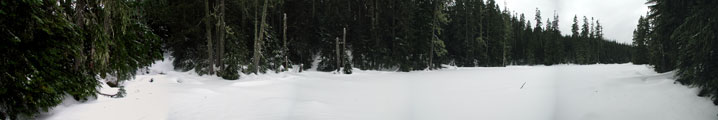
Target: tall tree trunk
(431,43)
(80,22)
(336,43)
(433,34)
(431,52)
(344,47)
(284,38)
(79,13)
(374,36)
(108,29)
(221,30)
(108,17)
(256,34)
(258,41)
(208,29)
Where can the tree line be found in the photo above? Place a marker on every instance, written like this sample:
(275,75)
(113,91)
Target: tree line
(680,35)
(397,35)
(59,47)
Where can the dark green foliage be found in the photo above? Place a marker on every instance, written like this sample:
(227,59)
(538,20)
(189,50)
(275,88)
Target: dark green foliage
(301,31)
(401,35)
(37,63)
(235,55)
(330,31)
(130,43)
(347,68)
(682,35)
(180,31)
(465,45)
(53,50)
(180,25)
(666,16)
(640,40)
(499,38)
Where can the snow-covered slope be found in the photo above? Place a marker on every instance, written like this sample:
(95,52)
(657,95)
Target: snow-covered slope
(563,92)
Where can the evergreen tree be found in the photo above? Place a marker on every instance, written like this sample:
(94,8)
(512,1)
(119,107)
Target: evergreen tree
(640,40)
(666,16)
(584,52)
(574,27)
(437,46)
(575,43)
(680,36)
(53,50)
(585,29)
(537,42)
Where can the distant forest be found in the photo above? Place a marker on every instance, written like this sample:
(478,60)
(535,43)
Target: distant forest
(403,35)
(58,47)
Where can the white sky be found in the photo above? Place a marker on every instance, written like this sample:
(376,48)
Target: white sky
(618,17)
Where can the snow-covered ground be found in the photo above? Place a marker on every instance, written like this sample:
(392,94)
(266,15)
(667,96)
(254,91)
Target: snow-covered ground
(562,92)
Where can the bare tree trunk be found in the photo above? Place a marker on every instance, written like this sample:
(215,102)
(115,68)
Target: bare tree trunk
(79,13)
(258,42)
(256,33)
(344,48)
(208,27)
(109,30)
(80,22)
(336,41)
(431,52)
(221,30)
(433,39)
(286,49)
(108,17)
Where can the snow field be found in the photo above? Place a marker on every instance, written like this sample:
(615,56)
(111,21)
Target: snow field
(562,92)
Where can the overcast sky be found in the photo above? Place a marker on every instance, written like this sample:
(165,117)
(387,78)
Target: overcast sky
(618,17)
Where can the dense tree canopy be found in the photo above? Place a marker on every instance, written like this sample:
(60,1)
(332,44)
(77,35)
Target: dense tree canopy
(58,48)
(681,35)
(380,35)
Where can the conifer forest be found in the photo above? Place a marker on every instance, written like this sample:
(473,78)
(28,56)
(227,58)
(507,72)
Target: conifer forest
(60,50)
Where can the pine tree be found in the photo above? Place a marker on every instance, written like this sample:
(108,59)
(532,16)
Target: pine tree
(437,46)
(585,28)
(57,51)
(689,44)
(574,27)
(640,40)
(599,30)
(537,42)
(666,16)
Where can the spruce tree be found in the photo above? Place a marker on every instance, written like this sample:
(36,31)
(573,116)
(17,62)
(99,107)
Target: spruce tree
(53,50)
(640,40)
(666,16)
